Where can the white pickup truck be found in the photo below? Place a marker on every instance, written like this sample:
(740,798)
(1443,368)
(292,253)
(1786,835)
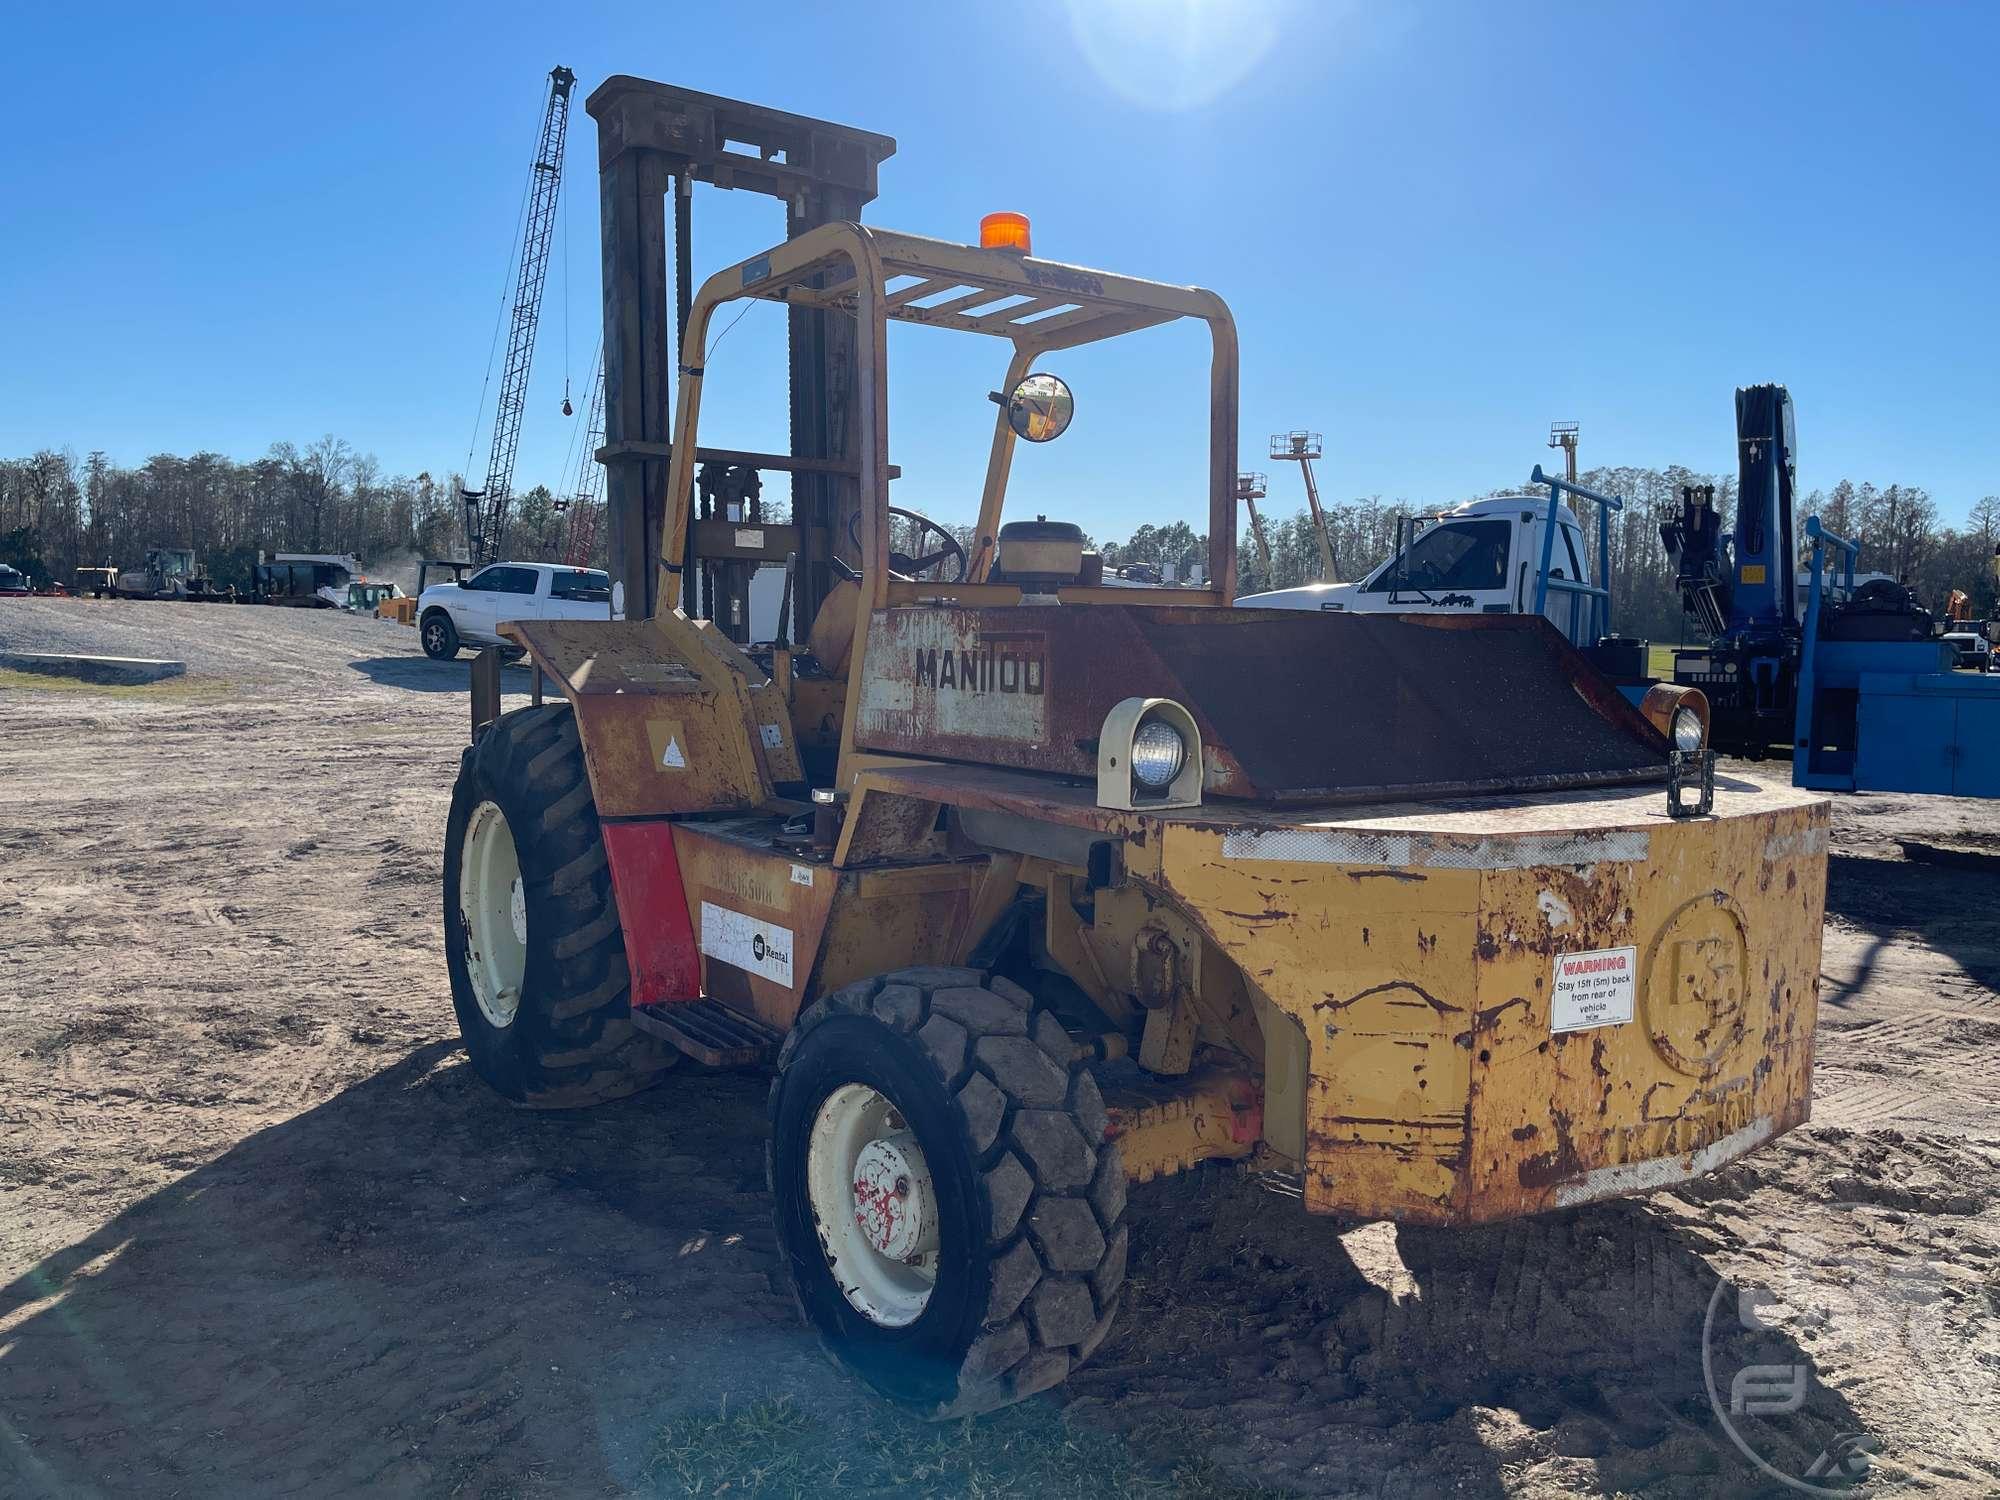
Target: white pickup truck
(450,615)
(1483,557)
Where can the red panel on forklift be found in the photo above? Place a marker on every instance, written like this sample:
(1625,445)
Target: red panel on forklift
(653,910)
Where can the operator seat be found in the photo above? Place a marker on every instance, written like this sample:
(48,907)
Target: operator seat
(1041,555)
(831,638)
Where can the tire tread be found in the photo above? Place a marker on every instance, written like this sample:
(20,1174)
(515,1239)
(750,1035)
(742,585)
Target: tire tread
(1008,1360)
(585,1049)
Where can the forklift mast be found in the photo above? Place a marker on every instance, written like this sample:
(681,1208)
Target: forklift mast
(655,142)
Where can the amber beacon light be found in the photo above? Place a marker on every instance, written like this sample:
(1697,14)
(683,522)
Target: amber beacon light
(1005,232)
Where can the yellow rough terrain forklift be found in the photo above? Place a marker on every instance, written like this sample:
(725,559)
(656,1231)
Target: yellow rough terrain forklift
(1026,886)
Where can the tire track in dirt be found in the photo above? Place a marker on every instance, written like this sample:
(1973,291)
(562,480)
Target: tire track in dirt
(260,1229)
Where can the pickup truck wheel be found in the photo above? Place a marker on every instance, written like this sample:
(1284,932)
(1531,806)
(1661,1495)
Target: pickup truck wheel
(532,942)
(951,1217)
(439,635)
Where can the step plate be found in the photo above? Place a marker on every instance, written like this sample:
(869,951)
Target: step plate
(710,1032)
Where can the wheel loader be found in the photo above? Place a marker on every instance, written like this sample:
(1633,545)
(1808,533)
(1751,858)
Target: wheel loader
(1026,887)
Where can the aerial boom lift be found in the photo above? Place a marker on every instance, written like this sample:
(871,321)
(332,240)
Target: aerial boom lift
(1250,488)
(1302,448)
(486,508)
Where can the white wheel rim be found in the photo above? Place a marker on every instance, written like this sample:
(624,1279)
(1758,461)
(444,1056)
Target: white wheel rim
(494,905)
(874,1205)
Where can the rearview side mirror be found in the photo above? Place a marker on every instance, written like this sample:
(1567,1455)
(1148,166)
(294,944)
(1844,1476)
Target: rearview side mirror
(1039,407)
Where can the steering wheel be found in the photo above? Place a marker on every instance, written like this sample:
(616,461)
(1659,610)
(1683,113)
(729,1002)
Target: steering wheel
(906,567)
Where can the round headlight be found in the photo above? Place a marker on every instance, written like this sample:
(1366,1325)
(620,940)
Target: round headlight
(1157,755)
(1687,730)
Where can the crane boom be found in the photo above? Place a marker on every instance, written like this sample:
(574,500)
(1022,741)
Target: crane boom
(486,508)
(584,507)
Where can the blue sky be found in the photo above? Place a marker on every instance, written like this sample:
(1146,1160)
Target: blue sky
(1440,227)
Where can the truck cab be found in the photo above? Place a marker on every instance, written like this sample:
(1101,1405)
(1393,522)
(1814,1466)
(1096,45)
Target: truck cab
(451,615)
(1483,557)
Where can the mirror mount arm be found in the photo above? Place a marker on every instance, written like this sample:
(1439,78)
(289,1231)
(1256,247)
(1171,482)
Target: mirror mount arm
(993,493)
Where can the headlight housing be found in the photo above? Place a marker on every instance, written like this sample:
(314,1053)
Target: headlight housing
(1149,757)
(1158,753)
(1681,714)
(1687,729)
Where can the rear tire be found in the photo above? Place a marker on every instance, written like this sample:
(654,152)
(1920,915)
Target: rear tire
(532,942)
(439,636)
(1012,1168)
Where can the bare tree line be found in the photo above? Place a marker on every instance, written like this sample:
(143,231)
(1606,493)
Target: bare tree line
(59,513)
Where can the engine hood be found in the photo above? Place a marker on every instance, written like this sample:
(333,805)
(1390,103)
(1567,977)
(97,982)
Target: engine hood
(1326,596)
(1293,706)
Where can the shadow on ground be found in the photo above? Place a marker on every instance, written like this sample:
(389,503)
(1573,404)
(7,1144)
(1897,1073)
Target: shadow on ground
(414,1289)
(1562,1354)
(1954,911)
(411,1289)
(420,674)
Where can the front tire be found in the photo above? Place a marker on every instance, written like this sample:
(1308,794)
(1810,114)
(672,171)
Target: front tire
(532,943)
(439,636)
(950,1214)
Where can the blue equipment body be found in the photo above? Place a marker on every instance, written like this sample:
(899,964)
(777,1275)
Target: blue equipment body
(1856,685)
(1886,715)
(1744,589)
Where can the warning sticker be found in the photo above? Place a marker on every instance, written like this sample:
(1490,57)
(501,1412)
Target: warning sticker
(757,947)
(1593,989)
(668,742)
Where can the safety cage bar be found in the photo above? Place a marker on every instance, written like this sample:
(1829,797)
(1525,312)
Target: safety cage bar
(1583,596)
(878,276)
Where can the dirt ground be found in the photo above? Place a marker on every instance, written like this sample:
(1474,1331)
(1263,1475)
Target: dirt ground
(262,1233)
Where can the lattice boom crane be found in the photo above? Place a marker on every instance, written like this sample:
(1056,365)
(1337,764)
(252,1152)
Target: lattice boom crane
(486,508)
